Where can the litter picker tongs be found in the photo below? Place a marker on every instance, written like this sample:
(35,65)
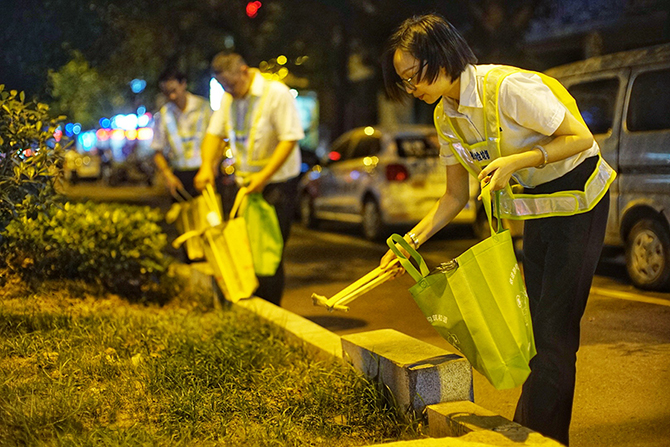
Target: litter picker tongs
(358,288)
(181,196)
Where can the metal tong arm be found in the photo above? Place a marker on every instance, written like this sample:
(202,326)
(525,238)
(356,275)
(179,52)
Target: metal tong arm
(361,286)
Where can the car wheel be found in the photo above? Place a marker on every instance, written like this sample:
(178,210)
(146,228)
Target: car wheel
(648,255)
(307,211)
(373,227)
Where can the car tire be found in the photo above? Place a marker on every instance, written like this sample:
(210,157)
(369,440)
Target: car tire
(648,255)
(307,217)
(372,224)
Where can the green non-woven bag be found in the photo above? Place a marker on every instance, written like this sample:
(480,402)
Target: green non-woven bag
(478,303)
(264,232)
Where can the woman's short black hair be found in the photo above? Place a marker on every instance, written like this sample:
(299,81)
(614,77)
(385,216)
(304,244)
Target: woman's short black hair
(433,41)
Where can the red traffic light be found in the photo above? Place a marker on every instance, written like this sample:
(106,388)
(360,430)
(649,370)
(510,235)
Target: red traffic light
(252,9)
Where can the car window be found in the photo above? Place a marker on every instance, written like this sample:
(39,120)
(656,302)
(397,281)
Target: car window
(419,147)
(340,148)
(366,146)
(650,102)
(596,101)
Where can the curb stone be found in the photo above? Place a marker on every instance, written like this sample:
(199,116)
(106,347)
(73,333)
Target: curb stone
(417,373)
(460,423)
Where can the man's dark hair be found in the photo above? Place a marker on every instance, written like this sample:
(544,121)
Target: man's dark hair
(226,61)
(171,73)
(434,42)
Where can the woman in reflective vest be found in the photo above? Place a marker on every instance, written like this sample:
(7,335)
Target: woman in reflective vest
(512,127)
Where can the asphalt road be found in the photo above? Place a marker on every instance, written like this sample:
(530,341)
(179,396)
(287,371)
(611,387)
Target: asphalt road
(623,379)
(623,367)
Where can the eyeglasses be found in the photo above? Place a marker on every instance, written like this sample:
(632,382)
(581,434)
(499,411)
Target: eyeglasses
(406,84)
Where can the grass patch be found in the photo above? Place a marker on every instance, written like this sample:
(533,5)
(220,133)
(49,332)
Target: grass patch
(81,369)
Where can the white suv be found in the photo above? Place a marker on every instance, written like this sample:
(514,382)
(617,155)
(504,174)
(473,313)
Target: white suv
(377,177)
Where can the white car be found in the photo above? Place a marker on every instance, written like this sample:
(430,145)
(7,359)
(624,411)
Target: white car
(378,177)
(82,166)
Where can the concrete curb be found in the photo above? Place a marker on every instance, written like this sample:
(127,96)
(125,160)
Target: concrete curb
(319,341)
(420,375)
(417,373)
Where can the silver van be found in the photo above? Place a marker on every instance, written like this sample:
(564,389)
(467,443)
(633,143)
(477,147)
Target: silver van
(625,100)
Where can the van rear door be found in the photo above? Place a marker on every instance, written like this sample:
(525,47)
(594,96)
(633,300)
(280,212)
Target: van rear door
(644,157)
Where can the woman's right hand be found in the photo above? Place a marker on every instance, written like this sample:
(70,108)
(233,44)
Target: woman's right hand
(172,182)
(204,176)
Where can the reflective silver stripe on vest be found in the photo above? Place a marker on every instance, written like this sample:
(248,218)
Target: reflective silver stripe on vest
(564,203)
(255,158)
(184,146)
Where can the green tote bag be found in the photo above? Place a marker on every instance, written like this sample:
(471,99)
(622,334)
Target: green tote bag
(478,303)
(265,236)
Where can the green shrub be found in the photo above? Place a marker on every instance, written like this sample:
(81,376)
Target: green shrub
(117,246)
(29,156)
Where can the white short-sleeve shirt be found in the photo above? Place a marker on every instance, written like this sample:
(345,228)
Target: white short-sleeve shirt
(190,124)
(278,121)
(529,114)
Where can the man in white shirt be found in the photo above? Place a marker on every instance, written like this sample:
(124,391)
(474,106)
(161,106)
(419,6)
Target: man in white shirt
(259,126)
(179,128)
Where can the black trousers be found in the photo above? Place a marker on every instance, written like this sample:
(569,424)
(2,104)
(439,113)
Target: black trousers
(282,196)
(560,258)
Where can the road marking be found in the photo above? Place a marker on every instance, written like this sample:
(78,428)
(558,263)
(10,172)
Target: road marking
(628,296)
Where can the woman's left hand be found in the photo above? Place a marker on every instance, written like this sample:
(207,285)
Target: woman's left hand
(498,172)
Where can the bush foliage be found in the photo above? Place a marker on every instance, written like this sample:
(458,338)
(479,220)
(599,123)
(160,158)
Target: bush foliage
(117,246)
(29,156)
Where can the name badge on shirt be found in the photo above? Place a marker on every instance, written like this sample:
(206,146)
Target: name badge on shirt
(482,155)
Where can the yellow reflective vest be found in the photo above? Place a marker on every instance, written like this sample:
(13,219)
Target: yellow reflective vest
(244,133)
(517,205)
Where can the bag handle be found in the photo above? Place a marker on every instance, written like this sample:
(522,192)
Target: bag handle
(406,263)
(423,271)
(239,198)
(486,201)
(209,196)
(184,237)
